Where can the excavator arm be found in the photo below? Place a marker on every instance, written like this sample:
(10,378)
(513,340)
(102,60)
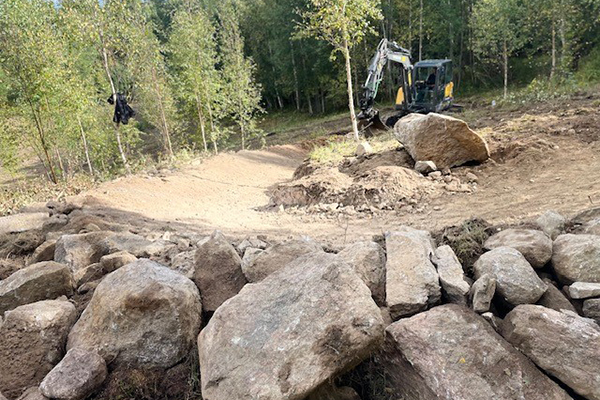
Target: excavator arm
(387,51)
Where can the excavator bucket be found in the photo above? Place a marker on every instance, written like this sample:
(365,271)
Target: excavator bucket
(371,125)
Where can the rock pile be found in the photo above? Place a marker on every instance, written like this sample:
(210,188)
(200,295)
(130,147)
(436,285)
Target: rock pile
(292,319)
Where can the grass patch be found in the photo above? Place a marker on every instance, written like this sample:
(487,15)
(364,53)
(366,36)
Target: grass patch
(335,151)
(467,241)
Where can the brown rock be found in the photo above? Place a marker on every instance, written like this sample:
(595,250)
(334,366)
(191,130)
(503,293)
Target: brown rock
(452,276)
(79,251)
(114,261)
(565,346)
(218,272)
(42,281)
(535,246)
(449,352)
(76,377)
(290,333)
(482,293)
(24,222)
(45,252)
(555,299)
(445,140)
(142,315)
(368,261)
(33,341)
(33,393)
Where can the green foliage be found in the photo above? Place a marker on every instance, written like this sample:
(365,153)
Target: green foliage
(589,70)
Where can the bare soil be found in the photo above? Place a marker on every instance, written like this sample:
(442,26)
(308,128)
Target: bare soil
(544,156)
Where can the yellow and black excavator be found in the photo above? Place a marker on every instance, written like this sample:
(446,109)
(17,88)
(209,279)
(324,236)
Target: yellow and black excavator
(424,87)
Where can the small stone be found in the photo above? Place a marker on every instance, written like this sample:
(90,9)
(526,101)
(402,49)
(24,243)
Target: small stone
(363,149)
(436,175)
(452,277)
(584,290)
(554,298)
(425,167)
(551,223)
(472,178)
(45,252)
(591,309)
(494,321)
(482,292)
(33,393)
(114,261)
(79,373)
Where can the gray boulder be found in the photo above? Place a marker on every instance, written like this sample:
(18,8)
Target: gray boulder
(23,222)
(534,245)
(412,283)
(284,337)
(452,276)
(33,340)
(142,315)
(565,346)
(184,264)
(42,281)
(516,281)
(81,250)
(368,261)
(591,309)
(276,257)
(555,299)
(449,352)
(90,273)
(584,290)
(76,377)
(251,242)
(445,140)
(425,167)
(33,393)
(551,223)
(576,258)
(482,293)
(218,271)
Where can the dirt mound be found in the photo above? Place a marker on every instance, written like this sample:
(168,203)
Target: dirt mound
(389,158)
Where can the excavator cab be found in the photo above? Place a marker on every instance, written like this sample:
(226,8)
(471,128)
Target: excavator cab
(433,88)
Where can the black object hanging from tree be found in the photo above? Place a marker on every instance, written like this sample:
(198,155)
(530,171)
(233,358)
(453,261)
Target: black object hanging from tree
(123,112)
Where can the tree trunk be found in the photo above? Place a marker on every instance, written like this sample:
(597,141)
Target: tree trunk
(85,147)
(42,135)
(163,117)
(421,30)
(505,56)
(243,136)
(563,43)
(309,102)
(212,128)
(60,164)
(553,68)
(201,122)
(346,51)
(323,102)
(295,70)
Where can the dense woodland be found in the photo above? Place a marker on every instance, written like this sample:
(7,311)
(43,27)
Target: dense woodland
(200,74)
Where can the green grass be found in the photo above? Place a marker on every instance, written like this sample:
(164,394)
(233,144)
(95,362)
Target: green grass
(336,151)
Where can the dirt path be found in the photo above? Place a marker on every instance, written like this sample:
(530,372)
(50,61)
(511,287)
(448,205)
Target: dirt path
(546,159)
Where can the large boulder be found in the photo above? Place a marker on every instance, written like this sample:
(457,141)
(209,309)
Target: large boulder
(452,276)
(566,346)
(142,315)
(449,352)
(32,342)
(447,141)
(516,281)
(412,283)
(42,281)
(576,258)
(79,373)
(284,337)
(278,256)
(81,250)
(23,222)
(535,246)
(368,260)
(584,290)
(218,271)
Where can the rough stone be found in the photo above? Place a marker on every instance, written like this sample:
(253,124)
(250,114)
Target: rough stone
(449,352)
(218,272)
(591,309)
(363,149)
(81,250)
(41,281)
(482,292)
(565,346)
(412,283)
(33,393)
(33,339)
(45,252)
(24,222)
(251,242)
(551,223)
(447,141)
(76,377)
(2,396)
(184,264)
(368,261)
(576,258)
(277,257)
(289,334)
(114,261)
(425,167)
(90,273)
(516,281)
(55,223)
(584,290)
(555,299)
(534,245)
(142,315)
(332,392)
(452,276)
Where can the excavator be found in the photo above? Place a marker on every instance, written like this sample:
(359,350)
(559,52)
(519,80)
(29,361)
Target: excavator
(424,87)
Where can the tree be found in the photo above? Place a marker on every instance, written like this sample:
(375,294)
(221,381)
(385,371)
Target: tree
(497,31)
(241,92)
(193,58)
(343,24)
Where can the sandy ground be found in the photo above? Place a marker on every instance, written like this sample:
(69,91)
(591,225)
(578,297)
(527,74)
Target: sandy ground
(544,158)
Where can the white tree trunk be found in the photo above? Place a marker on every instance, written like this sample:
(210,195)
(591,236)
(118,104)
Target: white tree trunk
(346,51)
(505,56)
(85,147)
(421,31)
